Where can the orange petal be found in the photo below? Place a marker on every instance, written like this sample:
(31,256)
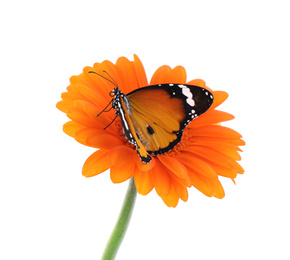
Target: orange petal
(99,98)
(211,117)
(140,71)
(234,141)
(123,167)
(122,172)
(165,74)
(96,163)
(202,183)
(219,98)
(184,182)
(160,76)
(219,191)
(98,139)
(171,200)
(177,75)
(161,179)
(71,127)
(143,182)
(82,118)
(68,99)
(127,75)
(215,142)
(63,106)
(214,131)
(238,168)
(197,165)
(223,171)
(173,165)
(121,154)
(180,190)
(211,155)
(197,82)
(103,120)
(113,71)
(227,149)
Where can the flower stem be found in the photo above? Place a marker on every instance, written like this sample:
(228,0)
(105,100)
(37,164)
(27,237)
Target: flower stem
(122,223)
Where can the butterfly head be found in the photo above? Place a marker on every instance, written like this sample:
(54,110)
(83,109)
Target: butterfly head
(116,95)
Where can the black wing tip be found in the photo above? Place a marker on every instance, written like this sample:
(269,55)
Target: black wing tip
(144,159)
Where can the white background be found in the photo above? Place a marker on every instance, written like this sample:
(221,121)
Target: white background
(50,211)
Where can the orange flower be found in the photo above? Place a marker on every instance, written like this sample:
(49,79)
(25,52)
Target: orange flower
(206,151)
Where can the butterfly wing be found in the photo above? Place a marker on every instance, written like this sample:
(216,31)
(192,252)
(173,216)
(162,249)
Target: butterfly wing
(159,113)
(130,133)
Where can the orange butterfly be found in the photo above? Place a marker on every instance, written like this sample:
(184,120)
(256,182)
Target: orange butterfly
(154,117)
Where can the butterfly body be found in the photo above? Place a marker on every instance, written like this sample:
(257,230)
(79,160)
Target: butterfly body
(153,118)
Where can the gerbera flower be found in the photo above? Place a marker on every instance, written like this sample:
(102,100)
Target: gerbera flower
(206,151)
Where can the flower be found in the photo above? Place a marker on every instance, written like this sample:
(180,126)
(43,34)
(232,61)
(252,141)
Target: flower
(206,151)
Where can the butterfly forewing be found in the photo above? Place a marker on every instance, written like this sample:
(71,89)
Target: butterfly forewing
(159,113)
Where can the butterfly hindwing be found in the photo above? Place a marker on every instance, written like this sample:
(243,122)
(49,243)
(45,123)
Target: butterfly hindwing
(159,113)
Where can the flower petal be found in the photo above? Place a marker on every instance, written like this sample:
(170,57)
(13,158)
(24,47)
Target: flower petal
(219,191)
(211,117)
(223,139)
(198,165)
(180,190)
(171,200)
(71,127)
(161,179)
(143,182)
(214,131)
(223,171)
(173,165)
(165,74)
(202,183)
(103,120)
(98,139)
(99,98)
(127,74)
(197,82)
(79,116)
(177,75)
(96,163)
(123,167)
(219,98)
(140,71)
(160,76)
(122,172)
(211,155)
(225,148)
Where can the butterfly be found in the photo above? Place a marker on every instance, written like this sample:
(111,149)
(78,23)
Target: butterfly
(153,118)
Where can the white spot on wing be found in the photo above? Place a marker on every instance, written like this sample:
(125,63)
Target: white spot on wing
(186,92)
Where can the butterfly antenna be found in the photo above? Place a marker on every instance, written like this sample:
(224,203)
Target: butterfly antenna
(112,81)
(111,78)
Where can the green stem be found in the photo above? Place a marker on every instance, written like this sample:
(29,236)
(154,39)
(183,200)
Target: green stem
(122,223)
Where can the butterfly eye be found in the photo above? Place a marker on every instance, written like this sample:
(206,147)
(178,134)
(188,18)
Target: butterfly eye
(112,93)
